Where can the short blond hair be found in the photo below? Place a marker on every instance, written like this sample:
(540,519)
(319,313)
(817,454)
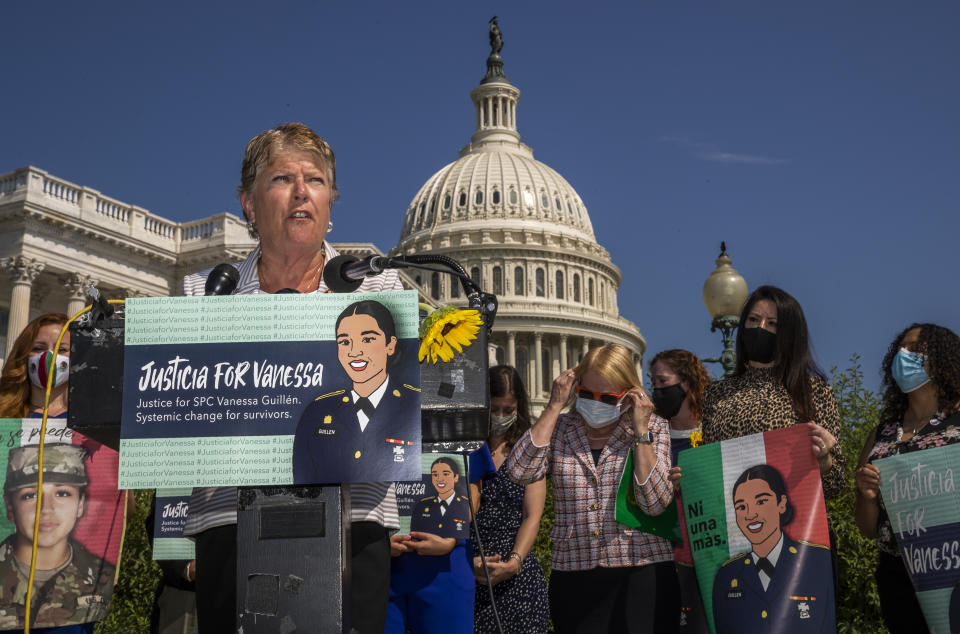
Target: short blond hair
(613,362)
(266,146)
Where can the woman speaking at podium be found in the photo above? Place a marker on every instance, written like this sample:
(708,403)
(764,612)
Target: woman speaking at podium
(288,183)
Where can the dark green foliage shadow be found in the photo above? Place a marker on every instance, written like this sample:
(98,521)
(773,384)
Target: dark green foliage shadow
(858,607)
(139,574)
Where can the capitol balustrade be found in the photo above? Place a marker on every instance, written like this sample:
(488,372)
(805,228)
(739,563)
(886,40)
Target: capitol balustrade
(37,188)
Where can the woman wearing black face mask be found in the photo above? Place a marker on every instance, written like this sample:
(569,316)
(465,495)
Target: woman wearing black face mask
(776,384)
(679,380)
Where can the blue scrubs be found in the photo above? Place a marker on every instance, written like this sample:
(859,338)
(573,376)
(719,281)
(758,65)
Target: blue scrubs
(435,595)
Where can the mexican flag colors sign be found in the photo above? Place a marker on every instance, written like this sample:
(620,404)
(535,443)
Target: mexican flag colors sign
(757,525)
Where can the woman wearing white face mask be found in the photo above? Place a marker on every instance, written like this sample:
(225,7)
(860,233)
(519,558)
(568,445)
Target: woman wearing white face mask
(508,520)
(605,577)
(921,374)
(24,380)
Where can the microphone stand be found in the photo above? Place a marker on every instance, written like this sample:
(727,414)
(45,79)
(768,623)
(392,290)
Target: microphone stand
(484,303)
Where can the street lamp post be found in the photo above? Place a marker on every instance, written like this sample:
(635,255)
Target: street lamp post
(724,294)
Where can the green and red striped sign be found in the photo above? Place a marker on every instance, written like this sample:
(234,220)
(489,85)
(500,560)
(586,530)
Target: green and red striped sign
(724,556)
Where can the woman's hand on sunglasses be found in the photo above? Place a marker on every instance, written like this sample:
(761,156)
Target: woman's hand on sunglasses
(562,388)
(641,407)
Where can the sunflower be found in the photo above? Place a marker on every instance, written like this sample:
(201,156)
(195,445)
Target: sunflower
(696,438)
(448,329)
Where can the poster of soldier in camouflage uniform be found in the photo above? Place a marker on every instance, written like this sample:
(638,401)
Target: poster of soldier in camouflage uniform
(79,531)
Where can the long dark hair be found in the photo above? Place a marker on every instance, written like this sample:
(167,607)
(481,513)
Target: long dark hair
(381,315)
(793,363)
(775,481)
(942,349)
(506,381)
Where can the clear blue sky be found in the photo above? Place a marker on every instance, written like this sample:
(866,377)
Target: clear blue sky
(819,139)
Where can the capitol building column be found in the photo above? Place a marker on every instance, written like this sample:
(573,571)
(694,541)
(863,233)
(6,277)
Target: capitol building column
(537,364)
(23,271)
(512,349)
(77,287)
(563,352)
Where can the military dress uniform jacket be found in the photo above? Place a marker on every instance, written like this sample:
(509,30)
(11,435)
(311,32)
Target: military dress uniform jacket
(330,447)
(799,597)
(428,518)
(79,593)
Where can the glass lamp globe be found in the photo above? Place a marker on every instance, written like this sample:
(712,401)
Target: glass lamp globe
(725,291)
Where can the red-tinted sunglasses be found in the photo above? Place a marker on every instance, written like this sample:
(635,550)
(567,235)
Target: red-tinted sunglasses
(609,399)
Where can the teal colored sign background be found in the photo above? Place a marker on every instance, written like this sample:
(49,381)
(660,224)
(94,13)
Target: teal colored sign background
(920,494)
(214,387)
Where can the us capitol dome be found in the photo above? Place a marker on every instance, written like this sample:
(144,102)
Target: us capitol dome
(523,233)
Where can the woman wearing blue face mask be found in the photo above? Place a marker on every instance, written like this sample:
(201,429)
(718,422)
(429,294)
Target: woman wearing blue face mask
(921,377)
(605,577)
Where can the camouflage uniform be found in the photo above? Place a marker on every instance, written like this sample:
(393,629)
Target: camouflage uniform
(79,592)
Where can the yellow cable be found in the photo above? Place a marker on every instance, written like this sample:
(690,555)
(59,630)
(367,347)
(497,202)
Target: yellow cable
(43,434)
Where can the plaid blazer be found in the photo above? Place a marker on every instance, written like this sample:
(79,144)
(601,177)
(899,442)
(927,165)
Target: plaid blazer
(586,533)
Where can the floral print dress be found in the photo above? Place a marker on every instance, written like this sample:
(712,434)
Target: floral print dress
(938,432)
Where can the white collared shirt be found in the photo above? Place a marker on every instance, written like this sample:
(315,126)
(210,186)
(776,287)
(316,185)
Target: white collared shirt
(448,500)
(374,400)
(773,557)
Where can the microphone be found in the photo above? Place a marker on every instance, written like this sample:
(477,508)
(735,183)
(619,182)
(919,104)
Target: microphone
(222,280)
(345,273)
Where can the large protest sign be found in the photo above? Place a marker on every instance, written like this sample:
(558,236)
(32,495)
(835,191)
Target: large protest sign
(270,390)
(80,530)
(757,526)
(436,503)
(922,502)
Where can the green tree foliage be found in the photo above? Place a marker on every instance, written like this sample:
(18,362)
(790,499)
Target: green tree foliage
(858,607)
(543,545)
(139,574)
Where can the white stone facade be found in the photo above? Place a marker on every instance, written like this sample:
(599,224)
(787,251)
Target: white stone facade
(57,238)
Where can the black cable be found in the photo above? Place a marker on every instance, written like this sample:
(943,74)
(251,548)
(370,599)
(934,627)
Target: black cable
(483,558)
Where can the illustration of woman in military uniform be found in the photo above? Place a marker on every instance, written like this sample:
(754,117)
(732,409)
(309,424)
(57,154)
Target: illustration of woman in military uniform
(362,433)
(447,513)
(781,585)
(71,585)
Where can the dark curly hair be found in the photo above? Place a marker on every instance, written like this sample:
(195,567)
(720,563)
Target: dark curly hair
(688,367)
(942,348)
(506,381)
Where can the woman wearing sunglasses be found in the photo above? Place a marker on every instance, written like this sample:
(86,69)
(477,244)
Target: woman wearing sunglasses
(605,576)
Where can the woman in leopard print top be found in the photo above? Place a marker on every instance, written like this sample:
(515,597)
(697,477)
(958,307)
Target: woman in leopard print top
(776,384)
